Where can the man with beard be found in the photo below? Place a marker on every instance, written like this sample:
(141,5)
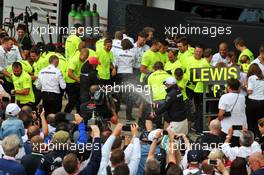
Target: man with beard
(23,86)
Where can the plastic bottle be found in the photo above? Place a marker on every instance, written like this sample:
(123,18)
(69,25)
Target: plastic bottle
(95,20)
(71,16)
(88,20)
(79,17)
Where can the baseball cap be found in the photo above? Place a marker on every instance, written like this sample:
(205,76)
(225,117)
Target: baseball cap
(94,61)
(61,137)
(12,109)
(170,80)
(144,136)
(194,156)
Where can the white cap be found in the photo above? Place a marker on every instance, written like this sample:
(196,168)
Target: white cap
(170,81)
(12,109)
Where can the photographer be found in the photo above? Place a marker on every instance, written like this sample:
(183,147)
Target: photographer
(232,110)
(100,103)
(88,77)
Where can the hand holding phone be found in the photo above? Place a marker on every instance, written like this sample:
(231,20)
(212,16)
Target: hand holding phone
(212,162)
(237,127)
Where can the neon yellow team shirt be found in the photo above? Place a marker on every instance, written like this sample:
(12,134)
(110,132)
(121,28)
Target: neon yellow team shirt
(37,67)
(182,85)
(44,60)
(184,58)
(200,85)
(62,64)
(155,81)
(99,44)
(149,58)
(164,57)
(106,59)
(248,53)
(25,66)
(74,64)
(71,45)
(192,63)
(176,64)
(92,53)
(24,82)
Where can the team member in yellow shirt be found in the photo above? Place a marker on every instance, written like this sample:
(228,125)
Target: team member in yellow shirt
(149,58)
(185,52)
(194,62)
(23,86)
(173,63)
(199,89)
(73,80)
(244,51)
(35,57)
(73,41)
(158,89)
(106,58)
(59,52)
(163,51)
(100,43)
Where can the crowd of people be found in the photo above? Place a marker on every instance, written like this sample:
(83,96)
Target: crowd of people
(165,137)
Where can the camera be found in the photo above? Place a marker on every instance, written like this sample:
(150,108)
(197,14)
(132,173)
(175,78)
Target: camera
(212,162)
(237,127)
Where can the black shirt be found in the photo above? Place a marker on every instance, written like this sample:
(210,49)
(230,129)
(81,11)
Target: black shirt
(208,142)
(88,77)
(174,105)
(25,43)
(51,161)
(31,162)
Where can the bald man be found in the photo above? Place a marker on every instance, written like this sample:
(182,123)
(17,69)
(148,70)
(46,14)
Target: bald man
(256,163)
(221,56)
(211,139)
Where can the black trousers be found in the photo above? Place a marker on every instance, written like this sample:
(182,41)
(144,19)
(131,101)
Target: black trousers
(30,104)
(51,102)
(73,92)
(37,94)
(7,86)
(198,120)
(254,111)
(126,93)
(190,95)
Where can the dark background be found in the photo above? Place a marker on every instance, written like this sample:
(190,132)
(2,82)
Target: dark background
(139,16)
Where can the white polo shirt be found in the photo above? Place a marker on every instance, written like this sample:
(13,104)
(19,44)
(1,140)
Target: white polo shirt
(238,115)
(217,58)
(124,61)
(50,79)
(138,54)
(257,86)
(116,47)
(8,58)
